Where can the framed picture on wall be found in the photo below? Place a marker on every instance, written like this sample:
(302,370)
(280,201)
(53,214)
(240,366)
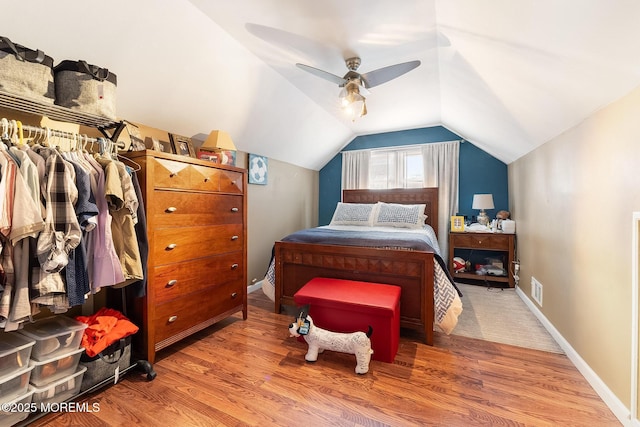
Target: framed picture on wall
(258,169)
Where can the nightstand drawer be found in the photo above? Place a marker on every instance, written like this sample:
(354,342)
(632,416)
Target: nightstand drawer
(481,241)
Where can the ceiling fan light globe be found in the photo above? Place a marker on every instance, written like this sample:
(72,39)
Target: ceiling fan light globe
(355,109)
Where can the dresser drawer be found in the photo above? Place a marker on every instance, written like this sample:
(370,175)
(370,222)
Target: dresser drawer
(172,281)
(171,174)
(481,241)
(204,178)
(179,315)
(231,182)
(181,209)
(180,244)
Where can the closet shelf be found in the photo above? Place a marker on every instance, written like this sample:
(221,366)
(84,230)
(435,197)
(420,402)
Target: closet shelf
(52,111)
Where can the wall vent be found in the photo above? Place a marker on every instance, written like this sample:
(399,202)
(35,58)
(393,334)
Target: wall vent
(536,291)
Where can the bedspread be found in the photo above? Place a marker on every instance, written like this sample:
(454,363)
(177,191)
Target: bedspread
(447,303)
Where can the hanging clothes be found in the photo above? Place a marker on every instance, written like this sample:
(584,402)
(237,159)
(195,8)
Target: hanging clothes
(139,288)
(123,205)
(27,223)
(76,271)
(62,231)
(70,224)
(106,267)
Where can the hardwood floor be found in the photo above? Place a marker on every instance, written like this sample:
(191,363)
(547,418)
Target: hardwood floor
(250,372)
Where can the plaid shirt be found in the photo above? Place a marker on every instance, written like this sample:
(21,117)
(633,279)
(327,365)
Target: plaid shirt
(62,231)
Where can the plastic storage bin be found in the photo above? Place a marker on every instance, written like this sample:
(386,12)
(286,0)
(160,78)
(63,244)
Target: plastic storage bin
(61,390)
(12,416)
(15,350)
(54,335)
(48,371)
(15,384)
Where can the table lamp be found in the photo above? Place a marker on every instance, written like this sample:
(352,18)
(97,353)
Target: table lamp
(220,142)
(482,202)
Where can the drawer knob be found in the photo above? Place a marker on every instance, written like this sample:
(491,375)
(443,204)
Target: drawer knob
(234,266)
(171,209)
(233,295)
(171,283)
(234,209)
(173,319)
(171,246)
(206,180)
(172,174)
(234,237)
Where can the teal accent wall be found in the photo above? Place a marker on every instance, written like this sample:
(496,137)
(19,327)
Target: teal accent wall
(479,172)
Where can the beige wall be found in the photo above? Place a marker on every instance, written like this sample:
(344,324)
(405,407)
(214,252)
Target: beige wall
(573,200)
(289,202)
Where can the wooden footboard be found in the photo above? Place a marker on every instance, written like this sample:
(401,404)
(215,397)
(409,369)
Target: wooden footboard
(297,263)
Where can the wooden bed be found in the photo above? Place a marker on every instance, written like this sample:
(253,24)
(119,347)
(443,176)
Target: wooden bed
(413,271)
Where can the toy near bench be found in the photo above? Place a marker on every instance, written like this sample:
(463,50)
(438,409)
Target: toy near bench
(348,306)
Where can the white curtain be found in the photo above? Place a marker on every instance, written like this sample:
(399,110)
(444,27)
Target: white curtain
(355,169)
(440,169)
(440,164)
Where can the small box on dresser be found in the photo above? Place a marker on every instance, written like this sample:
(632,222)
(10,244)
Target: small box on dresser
(196,226)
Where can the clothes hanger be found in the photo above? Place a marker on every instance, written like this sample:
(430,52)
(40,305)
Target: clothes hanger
(124,159)
(20,133)
(5,128)
(5,133)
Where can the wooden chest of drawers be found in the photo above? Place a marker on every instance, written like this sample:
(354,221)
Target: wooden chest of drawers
(196,226)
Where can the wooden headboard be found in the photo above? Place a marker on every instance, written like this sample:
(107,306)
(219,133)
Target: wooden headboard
(407,196)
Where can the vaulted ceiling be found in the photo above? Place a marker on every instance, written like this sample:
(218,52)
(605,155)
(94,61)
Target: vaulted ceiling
(507,75)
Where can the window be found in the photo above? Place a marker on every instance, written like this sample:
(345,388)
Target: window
(396,169)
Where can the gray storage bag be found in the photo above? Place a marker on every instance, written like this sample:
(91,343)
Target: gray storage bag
(86,88)
(26,73)
(108,364)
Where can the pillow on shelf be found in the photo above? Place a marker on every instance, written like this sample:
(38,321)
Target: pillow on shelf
(401,216)
(353,214)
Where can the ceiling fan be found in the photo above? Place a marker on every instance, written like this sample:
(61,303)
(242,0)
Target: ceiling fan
(354,84)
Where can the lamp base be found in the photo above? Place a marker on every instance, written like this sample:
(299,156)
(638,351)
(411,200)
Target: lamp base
(483,219)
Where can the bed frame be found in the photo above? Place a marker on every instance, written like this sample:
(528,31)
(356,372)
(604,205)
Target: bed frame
(297,263)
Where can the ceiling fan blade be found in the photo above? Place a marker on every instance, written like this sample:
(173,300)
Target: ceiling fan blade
(383,75)
(322,74)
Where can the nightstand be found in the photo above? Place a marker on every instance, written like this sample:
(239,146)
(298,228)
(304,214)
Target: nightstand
(465,245)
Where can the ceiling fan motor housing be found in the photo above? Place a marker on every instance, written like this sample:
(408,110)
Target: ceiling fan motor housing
(353,63)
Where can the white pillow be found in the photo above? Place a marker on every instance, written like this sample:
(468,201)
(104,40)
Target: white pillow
(397,215)
(354,214)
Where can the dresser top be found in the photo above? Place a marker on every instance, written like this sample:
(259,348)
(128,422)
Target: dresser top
(176,157)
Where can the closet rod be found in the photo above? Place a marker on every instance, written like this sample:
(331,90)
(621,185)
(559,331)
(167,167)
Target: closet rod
(12,125)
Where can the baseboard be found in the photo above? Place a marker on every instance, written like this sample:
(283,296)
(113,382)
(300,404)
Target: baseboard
(610,399)
(254,287)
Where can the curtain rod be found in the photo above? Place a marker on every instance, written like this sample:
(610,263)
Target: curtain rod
(401,147)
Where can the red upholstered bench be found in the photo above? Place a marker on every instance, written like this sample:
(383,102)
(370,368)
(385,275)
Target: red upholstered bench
(348,306)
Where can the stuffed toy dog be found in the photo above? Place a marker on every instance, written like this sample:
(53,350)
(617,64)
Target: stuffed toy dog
(319,340)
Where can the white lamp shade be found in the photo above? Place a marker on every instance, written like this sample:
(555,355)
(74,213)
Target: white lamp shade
(482,201)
